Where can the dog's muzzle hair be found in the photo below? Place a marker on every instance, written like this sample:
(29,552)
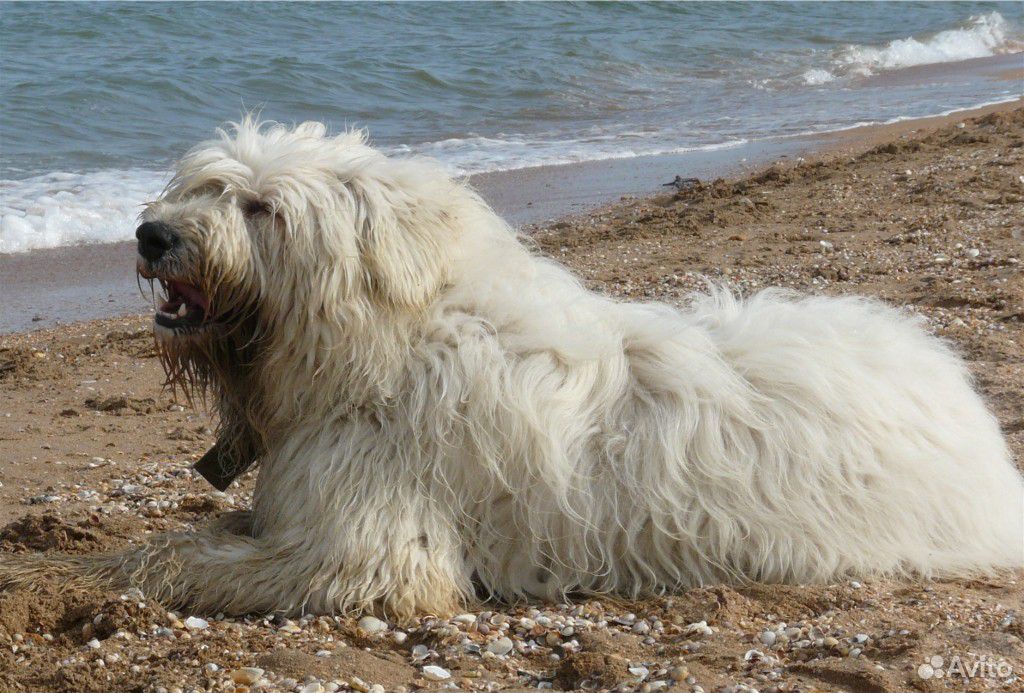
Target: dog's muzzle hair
(439,414)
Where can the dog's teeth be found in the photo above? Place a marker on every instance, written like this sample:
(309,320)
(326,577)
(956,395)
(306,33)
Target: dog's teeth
(182,310)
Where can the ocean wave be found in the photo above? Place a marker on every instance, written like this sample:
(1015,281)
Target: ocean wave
(477,154)
(980,36)
(59,208)
(816,76)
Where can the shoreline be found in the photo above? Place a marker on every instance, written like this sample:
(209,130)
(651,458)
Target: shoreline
(58,286)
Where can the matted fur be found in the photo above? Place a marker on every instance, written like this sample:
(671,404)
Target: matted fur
(438,412)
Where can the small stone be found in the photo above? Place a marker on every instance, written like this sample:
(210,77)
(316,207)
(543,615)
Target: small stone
(679,673)
(323,653)
(312,687)
(641,627)
(246,676)
(212,668)
(698,628)
(465,619)
(376,688)
(93,644)
(399,637)
(133,594)
(768,638)
(420,652)
(639,672)
(372,625)
(753,655)
(501,646)
(436,673)
(196,623)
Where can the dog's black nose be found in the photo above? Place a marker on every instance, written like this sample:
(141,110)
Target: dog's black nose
(155,239)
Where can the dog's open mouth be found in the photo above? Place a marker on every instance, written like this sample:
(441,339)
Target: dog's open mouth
(186,307)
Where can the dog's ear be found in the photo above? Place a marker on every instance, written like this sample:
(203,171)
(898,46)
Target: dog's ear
(405,248)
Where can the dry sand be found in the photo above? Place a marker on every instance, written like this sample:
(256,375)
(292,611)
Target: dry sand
(93,455)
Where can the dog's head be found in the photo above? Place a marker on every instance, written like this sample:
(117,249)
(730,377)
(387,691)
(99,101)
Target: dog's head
(270,230)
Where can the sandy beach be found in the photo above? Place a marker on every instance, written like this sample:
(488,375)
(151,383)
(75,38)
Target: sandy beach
(927,215)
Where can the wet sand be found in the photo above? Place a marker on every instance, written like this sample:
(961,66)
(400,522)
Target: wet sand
(94,454)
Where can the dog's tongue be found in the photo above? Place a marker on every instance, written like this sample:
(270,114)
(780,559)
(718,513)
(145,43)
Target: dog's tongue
(191,294)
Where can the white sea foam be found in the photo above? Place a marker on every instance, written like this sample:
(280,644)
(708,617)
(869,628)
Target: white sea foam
(817,76)
(979,37)
(474,154)
(60,208)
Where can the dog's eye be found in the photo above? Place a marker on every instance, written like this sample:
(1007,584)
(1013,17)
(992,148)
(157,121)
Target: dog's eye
(253,207)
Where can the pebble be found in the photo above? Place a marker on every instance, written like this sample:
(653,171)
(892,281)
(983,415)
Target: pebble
(313,687)
(376,688)
(420,652)
(372,625)
(246,676)
(436,673)
(768,638)
(501,646)
(212,668)
(679,673)
(466,619)
(698,628)
(196,623)
(94,644)
(640,672)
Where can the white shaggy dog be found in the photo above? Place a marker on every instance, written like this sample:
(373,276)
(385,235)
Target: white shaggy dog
(439,413)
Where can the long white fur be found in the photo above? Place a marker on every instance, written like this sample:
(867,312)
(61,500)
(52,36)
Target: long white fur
(438,410)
